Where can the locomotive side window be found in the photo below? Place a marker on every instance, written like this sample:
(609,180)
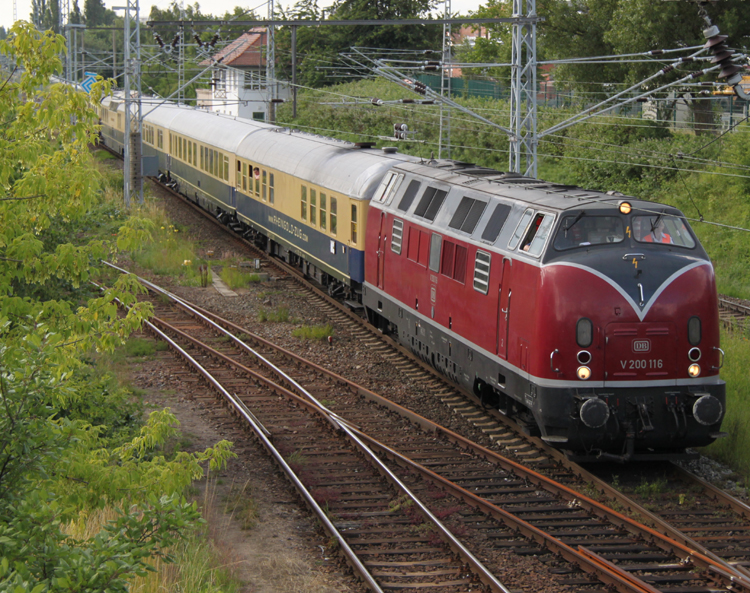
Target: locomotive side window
(435,244)
(496,223)
(467,215)
(430,203)
(482,271)
(409,195)
(397,236)
(523,224)
(334,212)
(662,228)
(537,235)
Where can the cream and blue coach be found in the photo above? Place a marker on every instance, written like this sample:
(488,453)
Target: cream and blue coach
(302,197)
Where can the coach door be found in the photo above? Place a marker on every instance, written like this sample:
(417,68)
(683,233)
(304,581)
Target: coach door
(381,250)
(503,308)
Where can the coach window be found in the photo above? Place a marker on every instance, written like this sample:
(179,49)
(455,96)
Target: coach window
(264,184)
(520,231)
(159,139)
(170,144)
(195,154)
(190,152)
(226,167)
(482,272)
(313,206)
(354,223)
(256,175)
(323,211)
(211,162)
(397,236)
(270,188)
(334,213)
(303,204)
(244,176)
(435,242)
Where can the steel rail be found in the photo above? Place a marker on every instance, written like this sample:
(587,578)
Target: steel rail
(666,537)
(262,434)
(310,403)
(696,554)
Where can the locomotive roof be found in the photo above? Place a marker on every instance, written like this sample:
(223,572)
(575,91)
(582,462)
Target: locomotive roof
(516,187)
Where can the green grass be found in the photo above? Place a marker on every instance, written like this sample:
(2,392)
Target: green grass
(236,278)
(138,347)
(279,315)
(169,254)
(734,450)
(314,332)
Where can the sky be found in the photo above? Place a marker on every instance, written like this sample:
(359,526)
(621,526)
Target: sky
(215,7)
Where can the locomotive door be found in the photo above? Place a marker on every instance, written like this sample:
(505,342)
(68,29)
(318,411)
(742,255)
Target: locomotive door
(503,308)
(381,250)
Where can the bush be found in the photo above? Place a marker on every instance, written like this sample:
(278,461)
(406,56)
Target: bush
(315,332)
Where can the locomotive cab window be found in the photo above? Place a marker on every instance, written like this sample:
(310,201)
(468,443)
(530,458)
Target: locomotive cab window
(523,224)
(583,230)
(536,235)
(389,188)
(662,228)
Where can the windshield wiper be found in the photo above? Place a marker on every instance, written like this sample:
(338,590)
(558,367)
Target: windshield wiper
(581,214)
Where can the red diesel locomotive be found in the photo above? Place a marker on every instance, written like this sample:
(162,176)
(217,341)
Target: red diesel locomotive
(590,317)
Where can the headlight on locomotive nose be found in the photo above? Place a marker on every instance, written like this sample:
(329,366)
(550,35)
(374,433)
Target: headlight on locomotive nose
(583,373)
(694,370)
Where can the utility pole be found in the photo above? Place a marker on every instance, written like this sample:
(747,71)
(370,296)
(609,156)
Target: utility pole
(523,105)
(271,65)
(133,166)
(446,73)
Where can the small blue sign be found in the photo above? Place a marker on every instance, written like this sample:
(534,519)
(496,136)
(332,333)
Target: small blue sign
(90,79)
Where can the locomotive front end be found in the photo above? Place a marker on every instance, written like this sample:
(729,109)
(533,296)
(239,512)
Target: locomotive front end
(631,368)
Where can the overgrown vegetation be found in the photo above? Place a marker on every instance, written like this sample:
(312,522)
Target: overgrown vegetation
(73,440)
(313,332)
(279,315)
(237,278)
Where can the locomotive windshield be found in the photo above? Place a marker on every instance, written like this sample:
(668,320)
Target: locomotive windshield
(662,228)
(582,229)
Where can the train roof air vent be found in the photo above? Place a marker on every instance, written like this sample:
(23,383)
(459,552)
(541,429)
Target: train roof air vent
(364,145)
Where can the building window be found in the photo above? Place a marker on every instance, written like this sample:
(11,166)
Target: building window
(354,223)
(482,272)
(323,211)
(303,203)
(397,236)
(313,207)
(334,212)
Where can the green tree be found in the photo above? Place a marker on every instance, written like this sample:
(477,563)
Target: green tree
(55,464)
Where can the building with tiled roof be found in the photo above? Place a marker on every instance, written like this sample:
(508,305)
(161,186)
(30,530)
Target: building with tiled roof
(238,78)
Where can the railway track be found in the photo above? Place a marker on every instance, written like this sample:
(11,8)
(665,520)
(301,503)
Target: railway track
(733,313)
(495,499)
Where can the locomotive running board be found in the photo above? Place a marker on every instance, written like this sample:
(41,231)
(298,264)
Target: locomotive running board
(640,457)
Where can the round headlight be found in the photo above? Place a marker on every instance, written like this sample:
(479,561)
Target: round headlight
(625,207)
(694,354)
(694,370)
(584,357)
(583,373)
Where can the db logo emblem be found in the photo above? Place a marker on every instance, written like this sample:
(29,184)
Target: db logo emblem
(641,346)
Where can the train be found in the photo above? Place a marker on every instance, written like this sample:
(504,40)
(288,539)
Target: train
(591,318)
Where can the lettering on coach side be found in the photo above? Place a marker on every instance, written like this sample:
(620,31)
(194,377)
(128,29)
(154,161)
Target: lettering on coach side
(287,226)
